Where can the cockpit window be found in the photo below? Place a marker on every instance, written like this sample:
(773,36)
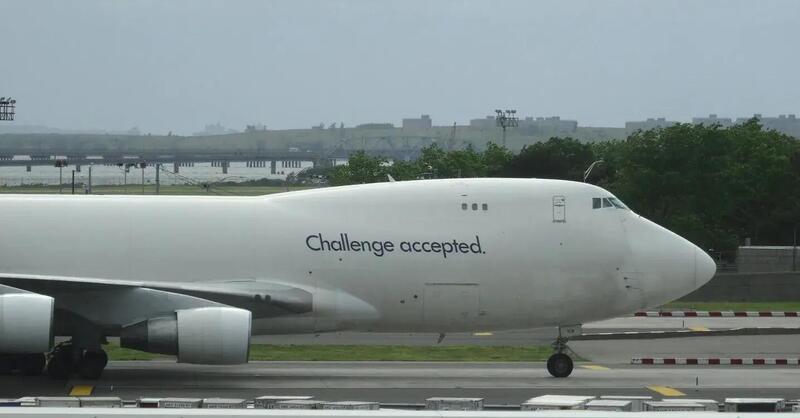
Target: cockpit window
(607,202)
(617,203)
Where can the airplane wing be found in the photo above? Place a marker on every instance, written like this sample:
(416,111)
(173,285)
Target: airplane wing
(104,299)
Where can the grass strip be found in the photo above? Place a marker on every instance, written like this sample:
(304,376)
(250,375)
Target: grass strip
(467,353)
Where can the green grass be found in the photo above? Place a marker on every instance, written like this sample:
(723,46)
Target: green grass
(222,190)
(268,352)
(115,352)
(735,306)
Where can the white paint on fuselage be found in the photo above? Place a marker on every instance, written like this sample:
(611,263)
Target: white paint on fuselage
(531,271)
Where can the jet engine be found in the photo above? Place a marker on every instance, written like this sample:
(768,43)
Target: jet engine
(214,335)
(26,323)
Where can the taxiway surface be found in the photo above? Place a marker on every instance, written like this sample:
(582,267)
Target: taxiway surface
(388,382)
(608,373)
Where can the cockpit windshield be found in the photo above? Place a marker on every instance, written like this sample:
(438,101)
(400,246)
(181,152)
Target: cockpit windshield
(617,203)
(607,202)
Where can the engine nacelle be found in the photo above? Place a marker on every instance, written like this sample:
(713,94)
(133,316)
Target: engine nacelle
(216,335)
(26,323)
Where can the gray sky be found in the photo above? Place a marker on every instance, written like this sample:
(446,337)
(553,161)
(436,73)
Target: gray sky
(178,65)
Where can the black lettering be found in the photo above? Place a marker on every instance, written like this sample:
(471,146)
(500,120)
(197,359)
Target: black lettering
(447,248)
(355,245)
(463,247)
(345,242)
(388,246)
(324,244)
(377,248)
(336,245)
(415,247)
(405,247)
(436,247)
(476,246)
(308,242)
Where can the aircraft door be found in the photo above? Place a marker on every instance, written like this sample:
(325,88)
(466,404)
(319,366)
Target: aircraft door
(450,306)
(559,209)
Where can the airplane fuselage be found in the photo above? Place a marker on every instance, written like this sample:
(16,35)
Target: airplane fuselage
(443,255)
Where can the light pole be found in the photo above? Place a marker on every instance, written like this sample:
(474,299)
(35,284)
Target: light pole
(142,165)
(506,119)
(126,167)
(89,190)
(158,178)
(60,164)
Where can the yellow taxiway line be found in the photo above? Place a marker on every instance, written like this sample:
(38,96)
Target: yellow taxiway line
(81,390)
(666,390)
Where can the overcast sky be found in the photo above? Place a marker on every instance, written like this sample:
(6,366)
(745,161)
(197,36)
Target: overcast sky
(178,65)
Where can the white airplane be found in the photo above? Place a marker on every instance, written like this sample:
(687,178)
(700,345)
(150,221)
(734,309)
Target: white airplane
(197,276)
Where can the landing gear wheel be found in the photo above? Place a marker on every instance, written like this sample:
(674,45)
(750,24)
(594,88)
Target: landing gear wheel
(559,365)
(92,364)
(32,364)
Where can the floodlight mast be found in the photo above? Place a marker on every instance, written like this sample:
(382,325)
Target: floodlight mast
(506,119)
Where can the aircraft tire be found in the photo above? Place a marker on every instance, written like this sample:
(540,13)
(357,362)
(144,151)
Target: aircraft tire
(559,365)
(92,364)
(32,364)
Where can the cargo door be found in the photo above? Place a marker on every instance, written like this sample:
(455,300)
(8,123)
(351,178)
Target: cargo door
(451,306)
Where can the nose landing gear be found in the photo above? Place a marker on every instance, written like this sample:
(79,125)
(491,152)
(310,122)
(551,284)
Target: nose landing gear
(560,364)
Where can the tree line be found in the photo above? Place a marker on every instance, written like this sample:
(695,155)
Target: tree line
(715,186)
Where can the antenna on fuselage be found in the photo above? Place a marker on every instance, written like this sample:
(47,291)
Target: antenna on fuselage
(589,170)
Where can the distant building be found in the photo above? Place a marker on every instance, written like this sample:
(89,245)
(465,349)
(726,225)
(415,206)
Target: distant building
(215,129)
(375,126)
(551,125)
(423,122)
(712,119)
(785,124)
(740,121)
(485,123)
(650,123)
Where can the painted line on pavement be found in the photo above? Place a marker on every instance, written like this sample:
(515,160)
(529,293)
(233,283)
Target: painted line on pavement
(594,367)
(81,390)
(666,390)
